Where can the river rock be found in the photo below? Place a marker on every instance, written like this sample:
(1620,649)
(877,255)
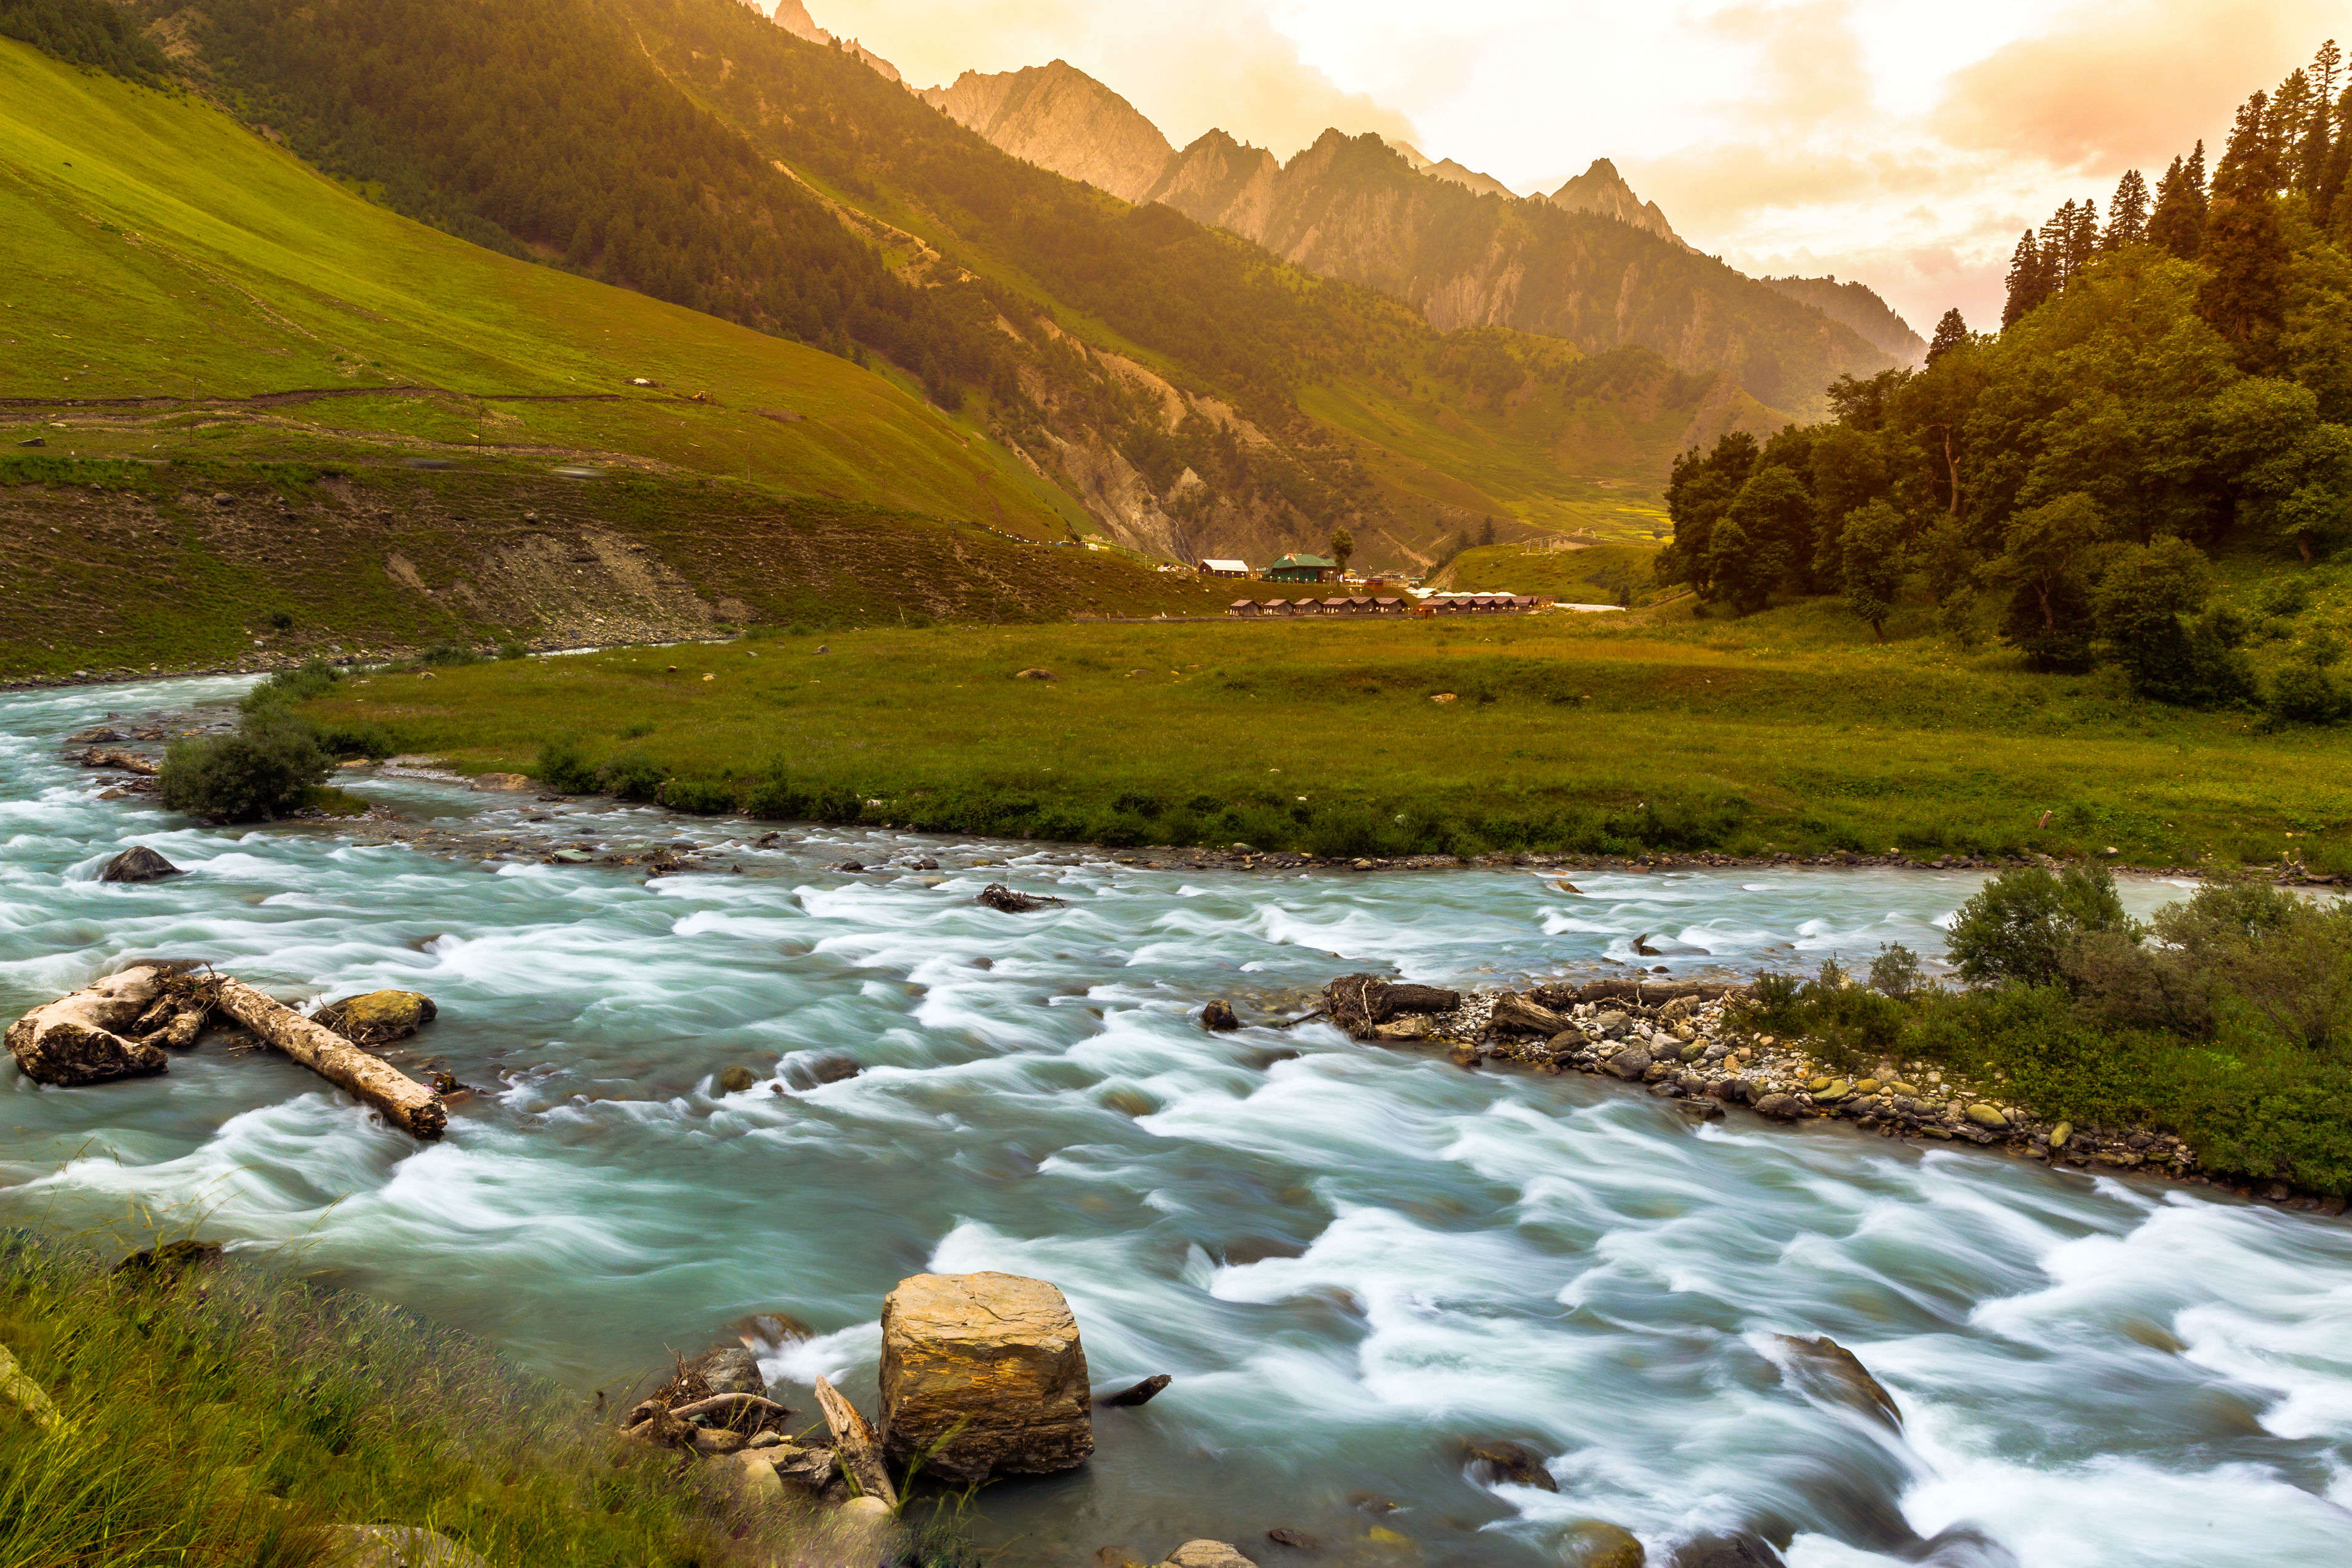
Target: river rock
(379,1018)
(995,1352)
(735,1080)
(73,1040)
(1746,1550)
(501,782)
(1780,1107)
(1989,1118)
(1496,1463)
(138,863)
(1207,1554)
(1597,1544)
(1220,1017)
(730,1369)
(1628,1064)
(1827,1368)
(1611,1025)
(812,1470)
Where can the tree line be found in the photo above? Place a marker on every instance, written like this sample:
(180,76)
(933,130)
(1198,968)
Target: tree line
(2175,379)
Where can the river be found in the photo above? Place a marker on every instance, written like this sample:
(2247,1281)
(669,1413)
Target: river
(1350,1259)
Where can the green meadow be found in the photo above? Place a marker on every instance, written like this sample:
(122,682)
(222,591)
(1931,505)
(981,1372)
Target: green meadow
(1565,733)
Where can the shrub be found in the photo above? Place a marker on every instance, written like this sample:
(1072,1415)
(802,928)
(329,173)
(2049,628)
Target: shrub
(701,796)
(257,773)
(563,768)
(1895,972)
(446,655)
(314,678)
(2020,924)
(357,741)
(631,775)
(2305,694)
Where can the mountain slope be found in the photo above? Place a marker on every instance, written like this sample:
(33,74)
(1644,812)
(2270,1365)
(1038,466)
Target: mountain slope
(1858,306)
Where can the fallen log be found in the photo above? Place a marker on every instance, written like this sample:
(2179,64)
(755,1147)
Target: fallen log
(85,1037)
(734,1404)
(405,1103)
(1641,993)
(1357,1002)
(853,1441)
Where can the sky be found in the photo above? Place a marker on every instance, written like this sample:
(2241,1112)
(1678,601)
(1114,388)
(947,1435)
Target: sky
(1903,142)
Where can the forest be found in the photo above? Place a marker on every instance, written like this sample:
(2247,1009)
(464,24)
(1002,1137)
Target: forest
(2171,383)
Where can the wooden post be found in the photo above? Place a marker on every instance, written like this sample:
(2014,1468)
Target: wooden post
(405,1103)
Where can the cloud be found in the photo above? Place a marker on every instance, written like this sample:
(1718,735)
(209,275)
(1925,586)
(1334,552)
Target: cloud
(1220,63)
(2129,84)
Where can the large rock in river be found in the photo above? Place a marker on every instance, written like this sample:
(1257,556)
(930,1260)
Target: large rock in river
(379,1018)
(76,1040)
(996,1351)
(138,863)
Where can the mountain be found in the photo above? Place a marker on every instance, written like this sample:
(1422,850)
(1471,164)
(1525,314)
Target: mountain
(1354,208)
(1602,191)
(1581,264)
(793,17)
(1448,169)
(1860,308)
(1059,118)
(1120,371)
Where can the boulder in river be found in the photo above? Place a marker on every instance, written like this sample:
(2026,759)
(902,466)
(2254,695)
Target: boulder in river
(138,863)
(1826,1368)
(1513,1464)
(1597,1544)
(1628,1064)
(735,1080)
(997,896)
(1780,1107)
(1220,1017)
(379,1018)
(998,1353)
(75,1040)
(730,1369)
(1740,1551)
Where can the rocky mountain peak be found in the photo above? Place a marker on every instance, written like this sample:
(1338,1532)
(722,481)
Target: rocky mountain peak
(793,17)
(1059,118)
(1602,191)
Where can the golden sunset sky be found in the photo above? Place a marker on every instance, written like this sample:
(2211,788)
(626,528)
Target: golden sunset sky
(1902,143)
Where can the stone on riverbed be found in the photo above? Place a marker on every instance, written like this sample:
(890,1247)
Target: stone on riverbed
(1597,1544)
(379,1018)
(1780,1107)
(1824,1367)
(997,1352)
(138,863)
(1629,1064)
(1219,1015)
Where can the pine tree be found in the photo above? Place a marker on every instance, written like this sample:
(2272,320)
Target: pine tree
(2029,281)
(1950,333)
(2318,149)
(2327,199)
(2056,245)
(2176,226)
(2243,295)
(2082,238)
(2128,213)
(2200,201)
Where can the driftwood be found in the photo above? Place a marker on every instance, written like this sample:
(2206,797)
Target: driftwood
(405,1103)
(91,1035)
(1516,1014)
(1357,1002)
(997,896)
(735,1406)
(1641,993)
(1142,1393)
(853,1441)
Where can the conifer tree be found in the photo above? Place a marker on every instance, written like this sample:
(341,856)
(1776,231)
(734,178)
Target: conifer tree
(2328,198)
(2177,226)
(2243,295)
(2318,150)
(2029,282)
(2128,213)
(2082,238)
(2056,243)
(1950,333)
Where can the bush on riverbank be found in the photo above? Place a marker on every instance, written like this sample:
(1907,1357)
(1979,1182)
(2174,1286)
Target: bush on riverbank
(225,1416)
(2226,1020)
(265,769)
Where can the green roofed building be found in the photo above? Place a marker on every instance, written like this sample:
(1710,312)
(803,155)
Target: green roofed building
(1302,569)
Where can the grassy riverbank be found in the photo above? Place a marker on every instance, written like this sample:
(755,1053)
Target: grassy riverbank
(228,1417)
(1563,735)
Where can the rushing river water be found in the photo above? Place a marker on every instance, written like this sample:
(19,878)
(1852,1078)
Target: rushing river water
(1351,1259)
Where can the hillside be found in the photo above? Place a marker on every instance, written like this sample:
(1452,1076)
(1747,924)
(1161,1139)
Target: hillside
(1058,118)
(251,393)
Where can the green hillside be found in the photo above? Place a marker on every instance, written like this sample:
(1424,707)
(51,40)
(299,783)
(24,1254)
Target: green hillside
(162,252)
